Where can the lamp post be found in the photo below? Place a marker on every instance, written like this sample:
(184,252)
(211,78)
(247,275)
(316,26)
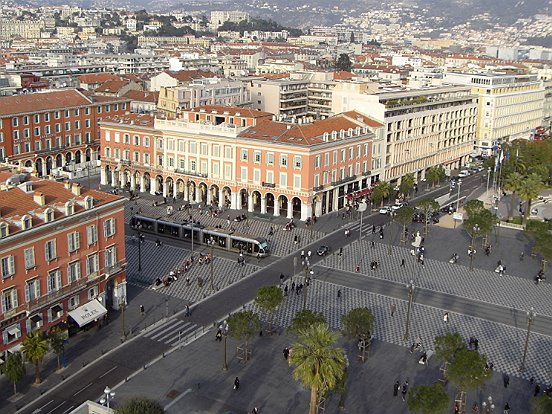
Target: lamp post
(305,286)
(139,235)
(488,406)
(471,249)
(107,397)
(531,314)
(361,208)
(122,306)
(488,179)
(211,243)
(225,336)
(410,288)
(459,183)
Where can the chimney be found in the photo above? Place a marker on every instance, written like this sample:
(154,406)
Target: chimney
(76,189)
(39,199)
(67,185)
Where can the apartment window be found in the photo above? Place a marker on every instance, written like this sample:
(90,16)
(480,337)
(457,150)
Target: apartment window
(68,126)
(136,157)
(47,129)
(160,144)
(49,215)
(109,227)
(9,300)
(297,181)
(36,118)
(283,180)
(146,141)
(146,159)
(110,256)
(73,241)
(77,124)
(92,292)
(69,208)
(99,109)
(256,176)
(317,162)
(136,140)
(297,161)
(244,154)
(335,157)
(26,120)
(3,230)
(26,133)
(126,138)
(8,266)
(47,117)
(77,112)
(32,290)
(74,302)
(117,137)
(67,140)
(257,156)
(16,148)
(73,271)
(270,158)
(92,264)
(283,160)
(227,152)
(270,177)
(243,173)
(107,152)
(227,172)
(66,113)
(27,147)
(87,111)
(343,155)
(15,121)
(58,128)
(107,108)
(54,281)
(107,136)
(216,151)
(57,115)
(50,250)
(204,149)
(29,258)
(87,123)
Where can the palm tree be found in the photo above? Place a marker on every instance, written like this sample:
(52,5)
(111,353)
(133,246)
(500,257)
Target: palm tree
(407,183)
(56,337)
(34,348)
(513,183)
(529,191)
(14,369)
(384,189)
(434,174)
(319,365)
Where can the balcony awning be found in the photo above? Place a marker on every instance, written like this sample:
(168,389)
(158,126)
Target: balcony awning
(57,309)
(14,330)
(36,318)
(87,313)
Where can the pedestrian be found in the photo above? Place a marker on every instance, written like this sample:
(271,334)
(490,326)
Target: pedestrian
(396,388)
(338,293)
(537,390)
(446,317)
(302,255)
(393,309)
(372,244)
(142,310)
(404,390)
(506,380)
(309,254)
(236,383)
(373,228)
(285,290)
(286,353)
(292,285)
(402,263)
(255,410)
(187,313)
(506,408)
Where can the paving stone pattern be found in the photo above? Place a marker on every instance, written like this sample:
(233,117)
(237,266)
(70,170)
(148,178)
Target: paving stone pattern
(502,344)
(281,242)
(159,261)
(455,279)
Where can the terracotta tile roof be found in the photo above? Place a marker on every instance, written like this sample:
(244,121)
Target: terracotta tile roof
(276,75)
(16,203)
(97,77)
(188,75)
(343,75)
(231,110)
(142,120)
(305,134)
(42,101)
(142,96)
(112,86)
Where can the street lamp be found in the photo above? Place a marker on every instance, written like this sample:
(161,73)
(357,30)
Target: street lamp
(108,396)
(531,314)
(459,183)
(211,243)
(122,306)
(361,208)
(305,285)
(471,249)
(410,288)
(139,235)
(488,406)
(225,336)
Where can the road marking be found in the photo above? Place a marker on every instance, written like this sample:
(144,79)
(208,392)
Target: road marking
(70,408)
(104,374)
(173,402)
(82,389)
(55,408)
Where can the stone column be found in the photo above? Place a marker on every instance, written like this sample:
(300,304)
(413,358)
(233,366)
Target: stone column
(132,182)
(198,194)
(153,186)
(290,210)
(114,178)
(103,176)
(209,198)
(234,200)
(175,188)
(306,211)
(45,169)
(263,204)
(276,207)
(318,206)
(142,183)
(250,203)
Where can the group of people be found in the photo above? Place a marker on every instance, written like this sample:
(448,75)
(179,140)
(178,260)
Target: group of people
(404,389)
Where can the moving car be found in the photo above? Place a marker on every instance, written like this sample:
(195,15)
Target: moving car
(385,210)
(323,250)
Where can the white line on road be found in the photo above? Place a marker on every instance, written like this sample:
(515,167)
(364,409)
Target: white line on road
(82,389)
(69,409)
(173,402)
(55,408)
(105,373)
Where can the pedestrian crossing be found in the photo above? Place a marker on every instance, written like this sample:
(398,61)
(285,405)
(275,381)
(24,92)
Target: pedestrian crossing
(173,332)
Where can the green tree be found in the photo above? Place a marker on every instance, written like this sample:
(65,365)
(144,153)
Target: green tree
(242,326)
(139,405)
(540,233)
(428,399)
(541,404)
(513,183)
(343,63)
(56,337)
(34,348)
(357,324)
(381,191)
(304,319)
(268,299)
(406,185)
(319,365)
(435,174)
(448,345)
(477,225)
(474,207)
(531,189)
(403,216)
(467,370)
(428,207)
(14,369)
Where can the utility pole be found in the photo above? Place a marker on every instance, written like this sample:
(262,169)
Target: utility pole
(410,287)
(531,314)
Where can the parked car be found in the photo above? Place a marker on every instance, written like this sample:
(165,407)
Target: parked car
(385,210)
(323,250)
(397,206)
(419,217)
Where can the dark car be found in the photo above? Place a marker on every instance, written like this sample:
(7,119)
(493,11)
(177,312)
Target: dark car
(323,250)
(419,217)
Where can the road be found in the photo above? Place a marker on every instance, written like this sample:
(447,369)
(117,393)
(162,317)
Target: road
(114,367)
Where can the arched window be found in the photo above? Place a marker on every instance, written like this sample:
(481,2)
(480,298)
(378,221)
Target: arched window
(88,202)
(69,208)
(4,230)
(49,215)
(26,222)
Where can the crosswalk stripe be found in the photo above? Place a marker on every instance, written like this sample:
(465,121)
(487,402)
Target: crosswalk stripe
(169,328)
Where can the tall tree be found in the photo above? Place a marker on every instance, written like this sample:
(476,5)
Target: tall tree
(14,369)
(403,216)
(139,405)
(304,319)
(34,348)
(382,190)
(56,337)
(435,174)
(242,326)
(406,185)
(446,346)
(428,399)
(541,404)
(428,207)
(268,299)
(358,324)
(513,183)
(530,191)
(468,370)
(319,365)
(343,63)
(474,207)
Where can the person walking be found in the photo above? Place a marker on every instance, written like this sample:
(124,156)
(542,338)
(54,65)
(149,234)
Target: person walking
(285,290)
(142,310)
(396,388)
(187,313)
(446,317)
(236,383)
(393,309)
(404,390)
(506,380)
(507,408)
(537,390)
(402,262)
(339,293)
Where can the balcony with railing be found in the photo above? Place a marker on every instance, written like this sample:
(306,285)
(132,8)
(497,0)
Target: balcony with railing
(344,180)
(206,128)
(192,173)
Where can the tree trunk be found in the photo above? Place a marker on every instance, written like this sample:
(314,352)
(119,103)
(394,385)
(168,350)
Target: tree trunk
(527,211)
(59,362)
(313,408)
(512,206)
(14,388)
(37,374)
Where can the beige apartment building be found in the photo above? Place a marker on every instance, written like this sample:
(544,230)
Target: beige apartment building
(510,106)
(424,127)
(26,29)
(282,97)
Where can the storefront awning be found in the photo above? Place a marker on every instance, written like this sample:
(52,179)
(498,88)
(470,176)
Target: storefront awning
(87,313)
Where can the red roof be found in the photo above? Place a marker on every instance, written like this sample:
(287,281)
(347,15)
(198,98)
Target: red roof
(42,101)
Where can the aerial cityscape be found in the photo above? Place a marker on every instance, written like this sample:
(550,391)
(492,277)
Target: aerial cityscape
(226,207)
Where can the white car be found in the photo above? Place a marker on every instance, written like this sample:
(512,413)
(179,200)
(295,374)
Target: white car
(463,173)
(385,210)
(396,206)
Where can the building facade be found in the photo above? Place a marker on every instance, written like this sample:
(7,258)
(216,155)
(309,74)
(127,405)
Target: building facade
(62,255)
(246,159)
(49,130)
(284,97)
